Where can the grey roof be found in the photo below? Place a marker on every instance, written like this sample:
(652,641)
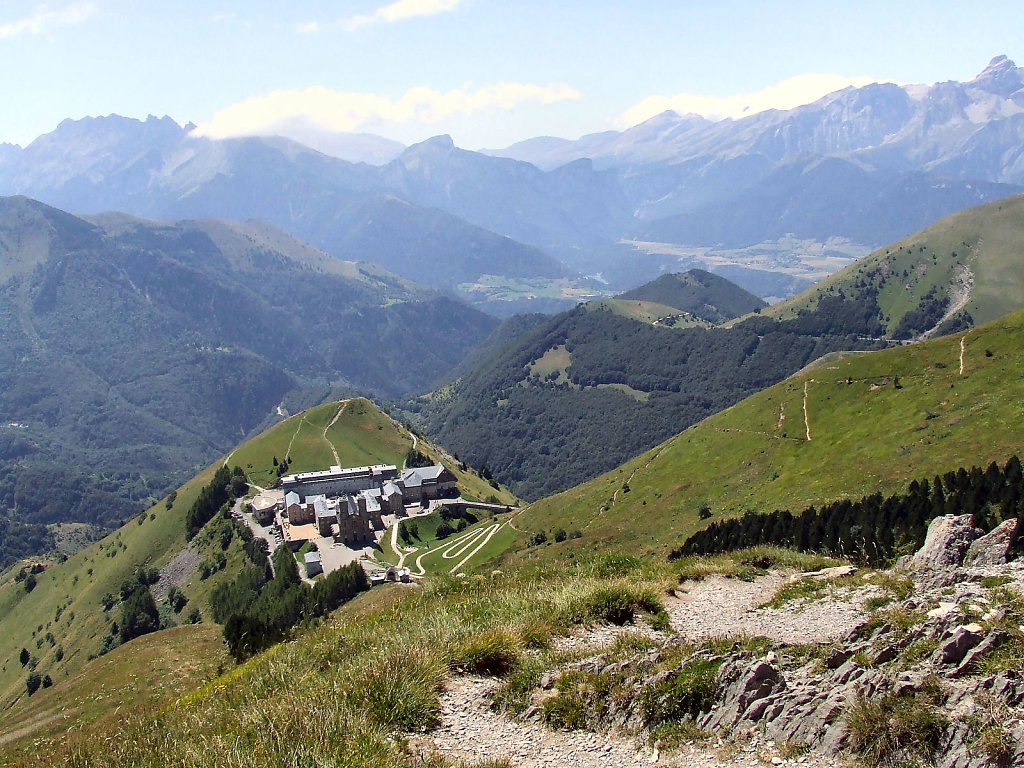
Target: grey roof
(420,475)
(291,498)
(390,489)
(337,473)
(312,557)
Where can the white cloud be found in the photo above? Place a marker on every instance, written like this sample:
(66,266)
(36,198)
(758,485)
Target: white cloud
(399,10)
(343,111)
(794,92)
(309,26)
(45,19)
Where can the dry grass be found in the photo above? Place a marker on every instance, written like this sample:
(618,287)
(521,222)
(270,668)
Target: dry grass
(340,693)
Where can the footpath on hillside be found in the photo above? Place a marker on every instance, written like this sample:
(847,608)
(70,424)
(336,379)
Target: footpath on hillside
(471,731)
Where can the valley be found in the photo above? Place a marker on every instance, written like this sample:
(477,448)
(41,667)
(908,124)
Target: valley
(692,442)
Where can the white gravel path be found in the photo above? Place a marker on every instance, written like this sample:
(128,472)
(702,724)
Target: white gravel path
(471,733)
(717,606)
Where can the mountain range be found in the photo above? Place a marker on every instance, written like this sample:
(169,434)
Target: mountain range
(866,164)
(577,394)
(136,349)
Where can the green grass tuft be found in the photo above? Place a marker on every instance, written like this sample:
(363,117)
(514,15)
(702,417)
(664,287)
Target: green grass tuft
(495,652)
(887,730)
(618,605)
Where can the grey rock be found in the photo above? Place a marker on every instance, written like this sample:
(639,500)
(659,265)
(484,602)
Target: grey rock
(837,657)
(994,547)
(949,537)
(742,687)
(994,639)
(953,650)
(825,574)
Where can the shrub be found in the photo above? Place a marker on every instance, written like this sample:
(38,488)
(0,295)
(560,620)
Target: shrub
(32,682)
(490,652)
(176,599)
(139,615)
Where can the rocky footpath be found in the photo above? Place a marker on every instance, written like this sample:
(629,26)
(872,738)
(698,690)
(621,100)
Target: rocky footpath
(918,666)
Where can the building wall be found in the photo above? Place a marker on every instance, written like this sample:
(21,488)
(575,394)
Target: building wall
(301,514)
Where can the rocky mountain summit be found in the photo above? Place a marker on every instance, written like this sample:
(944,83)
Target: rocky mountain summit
(915,666)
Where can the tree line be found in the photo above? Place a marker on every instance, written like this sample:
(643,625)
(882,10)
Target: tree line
(225,486)
(875,529)
(258,611)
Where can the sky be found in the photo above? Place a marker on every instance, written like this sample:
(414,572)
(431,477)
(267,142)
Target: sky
(487,72)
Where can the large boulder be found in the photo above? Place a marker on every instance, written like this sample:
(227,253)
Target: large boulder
(994,547)
(949,537)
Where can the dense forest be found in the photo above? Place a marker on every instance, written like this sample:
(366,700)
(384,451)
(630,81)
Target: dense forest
(257,610)
(626,387)
(19,539)
(874,530)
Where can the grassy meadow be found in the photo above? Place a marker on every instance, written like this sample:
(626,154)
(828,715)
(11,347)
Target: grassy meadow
(62,622)
(876,422)
(984,241)
(343,692)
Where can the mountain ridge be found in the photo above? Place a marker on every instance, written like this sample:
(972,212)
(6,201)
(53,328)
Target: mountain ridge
(871,164)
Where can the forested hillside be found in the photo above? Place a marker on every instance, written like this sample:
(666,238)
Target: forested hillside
(134,351)
(590,388)
(700,293)
(864,426)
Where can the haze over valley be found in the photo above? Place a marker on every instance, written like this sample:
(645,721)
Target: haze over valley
(441,383)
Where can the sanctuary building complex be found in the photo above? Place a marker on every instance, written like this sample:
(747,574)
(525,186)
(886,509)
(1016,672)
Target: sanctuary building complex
(348,504)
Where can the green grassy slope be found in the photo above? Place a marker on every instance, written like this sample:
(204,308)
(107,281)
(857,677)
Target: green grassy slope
(141,676)
(649,312)
(877,421)
(979,246)
(66,602)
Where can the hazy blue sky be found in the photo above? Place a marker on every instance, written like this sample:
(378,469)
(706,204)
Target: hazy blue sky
(487,72)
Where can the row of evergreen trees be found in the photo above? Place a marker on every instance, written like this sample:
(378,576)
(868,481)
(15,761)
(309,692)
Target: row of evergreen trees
(875,529)
(258,611)
(225,485)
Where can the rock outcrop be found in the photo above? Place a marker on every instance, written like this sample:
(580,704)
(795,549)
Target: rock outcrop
(994,547)
(948,540)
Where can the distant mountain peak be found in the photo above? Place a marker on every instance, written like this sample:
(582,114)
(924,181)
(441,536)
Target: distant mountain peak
(1001,76)
(436,143)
